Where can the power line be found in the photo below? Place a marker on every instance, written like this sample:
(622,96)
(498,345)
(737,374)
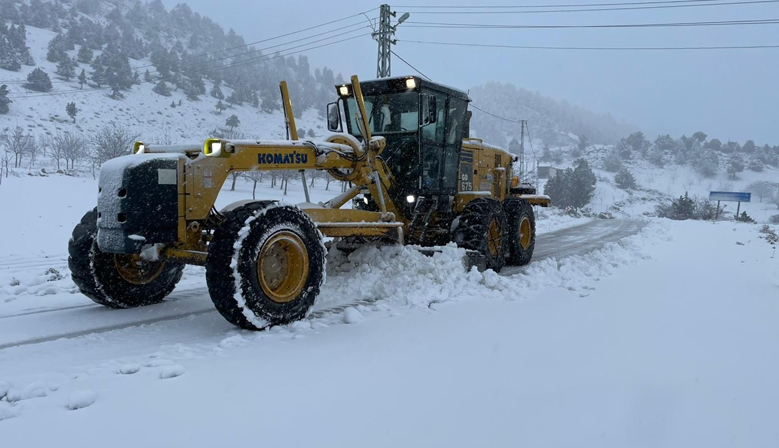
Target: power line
(259,50)
(550,6)
(531,47)
(620,25)
(268,39)
(494,115)
(626,8)
(412,67)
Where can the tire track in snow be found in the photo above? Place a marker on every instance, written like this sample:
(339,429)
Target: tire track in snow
(563,243)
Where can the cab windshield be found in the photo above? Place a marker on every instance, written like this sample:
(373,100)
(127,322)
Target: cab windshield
(387,114)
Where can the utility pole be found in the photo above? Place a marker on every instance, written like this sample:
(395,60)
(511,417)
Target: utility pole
(523,124)
(385,36)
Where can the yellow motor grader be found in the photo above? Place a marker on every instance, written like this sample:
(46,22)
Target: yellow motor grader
(416,178)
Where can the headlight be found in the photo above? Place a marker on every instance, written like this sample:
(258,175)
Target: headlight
(410,199)
(364,199)
(411,83)
(213,147)
(343,90)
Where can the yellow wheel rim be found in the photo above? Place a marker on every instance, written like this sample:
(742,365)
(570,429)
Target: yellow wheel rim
(525,233)
(494,236)
(282,266)
(137,271)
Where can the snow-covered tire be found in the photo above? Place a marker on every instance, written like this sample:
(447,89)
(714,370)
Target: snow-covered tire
(265,265)
(482,227)
(521,237)
(117,281)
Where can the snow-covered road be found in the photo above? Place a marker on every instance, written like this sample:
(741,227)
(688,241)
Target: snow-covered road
(665,338)
(191,299)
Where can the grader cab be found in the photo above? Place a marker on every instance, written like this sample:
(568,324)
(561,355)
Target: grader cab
(416,178)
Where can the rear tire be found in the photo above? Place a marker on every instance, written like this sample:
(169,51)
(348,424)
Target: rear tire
(482,227)
(265,265)
(117,280)
(521,237)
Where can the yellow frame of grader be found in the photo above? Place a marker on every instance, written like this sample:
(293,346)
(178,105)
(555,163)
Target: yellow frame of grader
(201,176)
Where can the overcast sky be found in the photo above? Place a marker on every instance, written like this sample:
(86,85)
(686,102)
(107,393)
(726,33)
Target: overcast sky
(729,94)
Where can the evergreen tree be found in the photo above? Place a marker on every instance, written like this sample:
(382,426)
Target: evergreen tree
(683,208)
(82,78)
(707,162)
(713,144)
(39,81)
(67,68)
(220,107)
(624,179)
(4,101)
(232,122)
(162,89)
(638,143)
(735,166)
(72,110)
(216,92)
(756,165)
(84,55)
(173,104)
(98,75)
(572,187)
(583,183)
(147,76)
(612,162)
(57,49)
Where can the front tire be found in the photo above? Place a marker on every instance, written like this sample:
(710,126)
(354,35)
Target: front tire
(265,265)
(117,280)
(482,227)
(521,236)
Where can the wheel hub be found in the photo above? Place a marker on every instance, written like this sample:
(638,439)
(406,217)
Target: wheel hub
(282,266)
(136,270)
(525,233)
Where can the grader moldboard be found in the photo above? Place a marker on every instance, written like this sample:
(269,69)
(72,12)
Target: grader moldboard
(418,179)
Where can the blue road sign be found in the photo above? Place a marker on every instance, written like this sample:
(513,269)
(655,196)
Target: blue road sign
(730,196)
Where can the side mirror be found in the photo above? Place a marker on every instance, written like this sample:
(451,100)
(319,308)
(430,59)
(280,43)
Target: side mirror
(429,110)
(334,117)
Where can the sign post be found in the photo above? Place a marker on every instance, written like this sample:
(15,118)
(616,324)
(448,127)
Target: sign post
(730,196)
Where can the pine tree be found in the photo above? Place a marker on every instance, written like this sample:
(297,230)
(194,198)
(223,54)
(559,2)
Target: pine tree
(72,110)
(583,183)
(66,68)
(735,166)
(147,76)
(683,208)
(220,107)
(39,81)
(82,78)
(624,179)
(173,104)
(162,89)
(84,55)
(4,101)
(57,49)
(216,92)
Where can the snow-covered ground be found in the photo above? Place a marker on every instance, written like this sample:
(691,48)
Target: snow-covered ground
(644,342)
(620,333)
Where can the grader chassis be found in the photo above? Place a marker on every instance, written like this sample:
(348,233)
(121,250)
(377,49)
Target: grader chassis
(417,177)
